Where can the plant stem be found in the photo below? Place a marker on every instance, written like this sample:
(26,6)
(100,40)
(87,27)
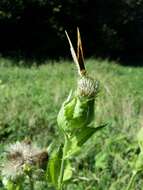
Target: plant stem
(131,180)
(60,180)
(31,182)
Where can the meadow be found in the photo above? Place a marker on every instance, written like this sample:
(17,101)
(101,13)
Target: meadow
(30,99)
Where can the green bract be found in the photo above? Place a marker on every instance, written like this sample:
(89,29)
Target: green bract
(77,112)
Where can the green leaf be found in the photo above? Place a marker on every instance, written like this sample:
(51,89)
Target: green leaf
(79,138)
(140,138)
(67,172)
(76,113)
(10,185)
(139,162)
(86,133)
(101,160)
(53,168)
(72,147)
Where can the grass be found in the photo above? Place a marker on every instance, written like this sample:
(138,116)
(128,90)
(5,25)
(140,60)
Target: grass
(30,98)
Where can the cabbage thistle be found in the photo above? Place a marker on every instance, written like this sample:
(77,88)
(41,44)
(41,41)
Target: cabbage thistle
(74,120)
(78,110)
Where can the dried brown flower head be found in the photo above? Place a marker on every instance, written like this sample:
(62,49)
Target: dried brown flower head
(21,154)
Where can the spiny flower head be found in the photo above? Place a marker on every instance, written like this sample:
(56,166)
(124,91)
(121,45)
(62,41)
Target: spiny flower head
(87,87)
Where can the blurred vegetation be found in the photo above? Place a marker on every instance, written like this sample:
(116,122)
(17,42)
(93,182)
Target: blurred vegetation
(30,99)
(35,28)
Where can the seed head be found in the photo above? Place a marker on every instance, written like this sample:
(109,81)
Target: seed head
(19,155)
(12,169)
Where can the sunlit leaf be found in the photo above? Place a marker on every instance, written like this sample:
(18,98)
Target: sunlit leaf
(86,133)
(53,168)
(67,172)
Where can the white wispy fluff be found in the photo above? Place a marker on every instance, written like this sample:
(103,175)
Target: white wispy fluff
(12,169)
(26,150)
(18,155)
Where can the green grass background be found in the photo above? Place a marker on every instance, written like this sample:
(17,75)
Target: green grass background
(30,98)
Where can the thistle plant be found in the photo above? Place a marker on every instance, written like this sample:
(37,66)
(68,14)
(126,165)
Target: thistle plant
(75,119)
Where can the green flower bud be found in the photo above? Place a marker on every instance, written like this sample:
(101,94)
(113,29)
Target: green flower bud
(77,112)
